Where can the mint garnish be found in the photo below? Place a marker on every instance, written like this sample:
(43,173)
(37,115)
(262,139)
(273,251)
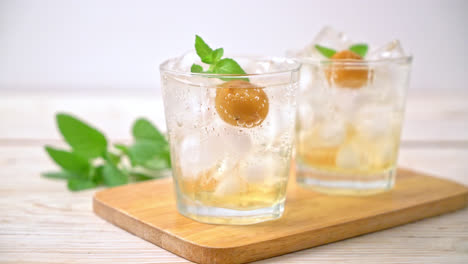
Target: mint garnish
(360,49)
(213,58)
(196,68)
(327,52)
(90,162)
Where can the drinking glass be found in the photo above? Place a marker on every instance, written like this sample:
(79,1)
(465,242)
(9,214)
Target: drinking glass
(349,120)
(231,139)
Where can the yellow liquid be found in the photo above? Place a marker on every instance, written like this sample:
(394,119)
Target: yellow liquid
(356,154)
(237,193)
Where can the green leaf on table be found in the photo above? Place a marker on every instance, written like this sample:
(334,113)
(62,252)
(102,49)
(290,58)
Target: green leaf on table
(78,184)
(63,175)
(203,50)
(114,158)
(149,155)
(360,49)
(84,139)
(158,163)
(141,177)
(144,150)
(196,68)
(112,176)
(144,130)
(97,175)
(121,147)
(327,52)
(69,161)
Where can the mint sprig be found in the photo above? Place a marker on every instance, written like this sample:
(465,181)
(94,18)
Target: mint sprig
(327,52)
(91,162)
(360,49)
(213,58)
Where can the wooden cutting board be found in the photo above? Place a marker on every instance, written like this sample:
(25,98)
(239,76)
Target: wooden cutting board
(148,210)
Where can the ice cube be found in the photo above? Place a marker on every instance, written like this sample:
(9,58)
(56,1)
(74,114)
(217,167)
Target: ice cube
(349,157)
(345,101)
(236,142)
(193,157)
(305,116)
(374,121)
(333,132)
(278,124)
(219,147)
(327,37)
(385,153)
(390,50)
(230,184)
(261,168)
(332,38)
(185,62)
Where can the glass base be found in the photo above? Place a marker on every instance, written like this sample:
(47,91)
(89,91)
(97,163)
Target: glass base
(345,184)
(217,215)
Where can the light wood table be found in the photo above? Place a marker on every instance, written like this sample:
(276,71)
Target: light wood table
(42,222)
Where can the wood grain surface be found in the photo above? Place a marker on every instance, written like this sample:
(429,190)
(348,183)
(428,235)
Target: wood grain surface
(42,222)
(149,211)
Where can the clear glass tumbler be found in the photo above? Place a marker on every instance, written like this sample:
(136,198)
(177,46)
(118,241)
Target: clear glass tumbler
(349,120)
(231,139)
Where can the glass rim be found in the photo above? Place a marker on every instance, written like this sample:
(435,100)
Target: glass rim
(295,67)
(309,60)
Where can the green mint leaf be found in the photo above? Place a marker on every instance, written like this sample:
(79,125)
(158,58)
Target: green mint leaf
(141,177)
(97,175)
(144,130)
(167,156)
(144,150)
(84,139)
(114,158)
(121,147)
(216,55)
(68,161)
(203,50)
(196,68)
(159,163)
(360,49)
(229,66)
(327,52)
(79,184)
(64,175)
(112,176)
(213,57)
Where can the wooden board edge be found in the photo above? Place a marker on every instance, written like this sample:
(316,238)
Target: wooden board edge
(178,246)
(301,241)
(409,171)
(284,245)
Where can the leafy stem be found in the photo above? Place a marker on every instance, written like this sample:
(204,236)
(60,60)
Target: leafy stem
(218,65)
(90,163)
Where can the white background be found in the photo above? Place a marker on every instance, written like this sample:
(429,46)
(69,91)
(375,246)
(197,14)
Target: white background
(117,45)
